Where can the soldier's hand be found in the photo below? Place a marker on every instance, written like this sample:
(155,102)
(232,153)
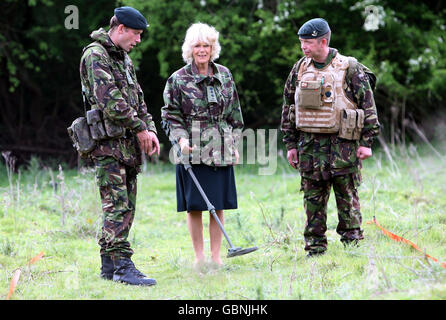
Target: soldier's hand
(148,142)
(364,153)
(293,158)
(155,144)
(143,139)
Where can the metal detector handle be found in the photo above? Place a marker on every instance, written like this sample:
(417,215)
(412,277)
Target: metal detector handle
(188,167)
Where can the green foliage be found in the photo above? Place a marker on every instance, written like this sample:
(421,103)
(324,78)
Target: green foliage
(39,71)
(39,58)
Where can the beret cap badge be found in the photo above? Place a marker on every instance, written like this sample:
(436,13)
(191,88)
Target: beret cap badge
(314,28)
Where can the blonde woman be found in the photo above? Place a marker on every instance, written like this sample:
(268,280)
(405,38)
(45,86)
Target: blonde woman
(202,97)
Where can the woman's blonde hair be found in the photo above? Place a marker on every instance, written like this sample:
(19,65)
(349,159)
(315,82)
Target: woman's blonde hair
(200,32)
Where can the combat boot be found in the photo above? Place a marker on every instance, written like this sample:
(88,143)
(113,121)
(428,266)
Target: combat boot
(107,267)
(126,272)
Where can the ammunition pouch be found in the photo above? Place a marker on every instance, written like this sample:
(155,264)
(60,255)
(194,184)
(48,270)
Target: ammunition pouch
(113,130)
(102,128)
(79,133)
(85,131)
(310,94)
(352,122)
(94,120)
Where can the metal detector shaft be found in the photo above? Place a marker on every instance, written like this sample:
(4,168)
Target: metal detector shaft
(211,208)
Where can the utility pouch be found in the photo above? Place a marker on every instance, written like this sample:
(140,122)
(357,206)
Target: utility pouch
(79,133)
(94,120)
(310,94)
(113,130)
(359,124)
(352,122)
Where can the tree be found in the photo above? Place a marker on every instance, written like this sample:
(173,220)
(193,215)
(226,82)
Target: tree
(403,42)
(39,72)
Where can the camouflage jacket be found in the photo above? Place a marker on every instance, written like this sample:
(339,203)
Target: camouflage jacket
(325,155)
(121,100)
(192,111)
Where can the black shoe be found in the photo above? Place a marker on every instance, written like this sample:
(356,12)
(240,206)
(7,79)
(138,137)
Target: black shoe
(126,272)
(312,254)
(107,267)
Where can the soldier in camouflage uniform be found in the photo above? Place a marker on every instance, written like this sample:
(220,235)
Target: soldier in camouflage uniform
(201,103)
(324,159)
(109,83)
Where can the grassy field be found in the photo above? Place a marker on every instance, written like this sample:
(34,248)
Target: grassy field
(58,212)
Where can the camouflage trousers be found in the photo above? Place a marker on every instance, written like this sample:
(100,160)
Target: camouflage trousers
(316,195)
(117,187)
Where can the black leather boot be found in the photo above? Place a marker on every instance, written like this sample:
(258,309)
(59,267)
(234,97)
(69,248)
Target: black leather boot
(126,272)
(107,267)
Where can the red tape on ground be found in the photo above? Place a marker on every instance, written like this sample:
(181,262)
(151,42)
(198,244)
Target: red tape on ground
(16,276)
(401,239)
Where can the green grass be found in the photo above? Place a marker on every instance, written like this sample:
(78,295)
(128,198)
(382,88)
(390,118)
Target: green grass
(408,198)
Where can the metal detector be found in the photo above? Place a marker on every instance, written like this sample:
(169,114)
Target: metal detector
(232,251)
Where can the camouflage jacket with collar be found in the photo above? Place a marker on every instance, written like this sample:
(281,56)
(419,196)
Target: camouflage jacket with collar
(204,107)
(120,97)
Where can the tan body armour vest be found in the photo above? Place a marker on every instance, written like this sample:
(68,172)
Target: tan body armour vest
(321,105)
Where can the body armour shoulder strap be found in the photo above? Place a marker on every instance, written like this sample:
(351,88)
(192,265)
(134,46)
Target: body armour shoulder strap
(353,64)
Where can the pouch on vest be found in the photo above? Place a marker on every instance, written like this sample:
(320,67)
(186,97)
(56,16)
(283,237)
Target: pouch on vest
(352,122)
(359,124)
(94,120)
(79,133)
(310,94)
(348,124)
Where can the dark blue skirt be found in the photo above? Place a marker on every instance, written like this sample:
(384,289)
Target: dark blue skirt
(217,182)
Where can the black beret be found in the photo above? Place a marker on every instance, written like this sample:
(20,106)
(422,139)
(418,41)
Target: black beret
(313,28)
(131,18)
